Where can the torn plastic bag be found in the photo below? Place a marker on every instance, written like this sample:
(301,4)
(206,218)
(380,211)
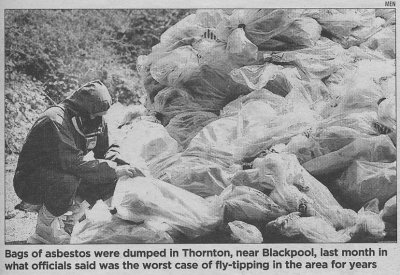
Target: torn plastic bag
(143,199)
(242,232)
(318,61)
(364,181)
(183,127)
(384,42)
(294,186)
(240,49)
(145,140)
(389,211)
(304,229)
(373,149)
(100,227)
(247,204)
(260,25)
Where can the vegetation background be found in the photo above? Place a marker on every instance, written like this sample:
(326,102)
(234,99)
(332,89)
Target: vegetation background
(50,53)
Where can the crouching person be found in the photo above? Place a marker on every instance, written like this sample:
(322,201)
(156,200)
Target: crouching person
(52,168)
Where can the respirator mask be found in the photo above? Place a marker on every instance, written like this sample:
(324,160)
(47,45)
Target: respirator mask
(88,128)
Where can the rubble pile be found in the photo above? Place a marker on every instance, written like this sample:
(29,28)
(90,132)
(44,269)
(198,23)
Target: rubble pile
(273,125)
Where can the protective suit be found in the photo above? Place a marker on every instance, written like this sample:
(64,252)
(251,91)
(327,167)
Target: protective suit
(51,167)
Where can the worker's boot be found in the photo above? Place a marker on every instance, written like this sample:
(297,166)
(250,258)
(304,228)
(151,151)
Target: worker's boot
(75,214)
(49,229)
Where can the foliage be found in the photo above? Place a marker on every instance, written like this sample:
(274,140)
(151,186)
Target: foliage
(66,48)
(24,100)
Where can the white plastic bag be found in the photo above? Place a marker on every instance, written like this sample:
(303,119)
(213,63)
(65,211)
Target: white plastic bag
(389,211)
(100,227)
(294,186)
(373,149)
(318,61)
(247,204)
(364,181)
(387,113)
(240,49)
(342,23)
(260,25)
(305,229)
(143,141)
(175,67)
(244,233)
(183,127)
(146,199)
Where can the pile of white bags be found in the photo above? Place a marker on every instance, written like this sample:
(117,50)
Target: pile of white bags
(282,119)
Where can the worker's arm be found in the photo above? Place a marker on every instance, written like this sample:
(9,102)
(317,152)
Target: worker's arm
(71,158)
(103,150)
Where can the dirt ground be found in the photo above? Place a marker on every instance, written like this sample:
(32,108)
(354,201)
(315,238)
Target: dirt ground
(19,225)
